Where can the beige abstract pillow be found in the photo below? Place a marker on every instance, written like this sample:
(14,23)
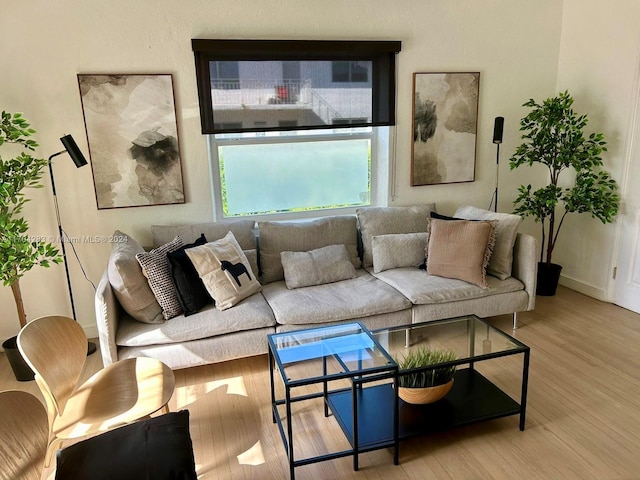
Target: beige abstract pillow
(398,250)
(460,249)
(225,271)
(316,267)
(506,232)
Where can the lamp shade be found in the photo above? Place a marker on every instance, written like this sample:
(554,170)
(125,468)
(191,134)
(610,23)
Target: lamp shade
(74,151)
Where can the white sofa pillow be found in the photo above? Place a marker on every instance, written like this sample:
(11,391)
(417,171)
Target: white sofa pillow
(316,267)
(398,250)
(386,220)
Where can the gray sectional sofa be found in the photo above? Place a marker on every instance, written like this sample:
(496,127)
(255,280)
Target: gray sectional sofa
(401,293)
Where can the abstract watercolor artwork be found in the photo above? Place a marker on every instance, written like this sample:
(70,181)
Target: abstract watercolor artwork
(133,139)
(445,117)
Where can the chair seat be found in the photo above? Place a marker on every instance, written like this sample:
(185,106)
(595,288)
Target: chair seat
(116,395)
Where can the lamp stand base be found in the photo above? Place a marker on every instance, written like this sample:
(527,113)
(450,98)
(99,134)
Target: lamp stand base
(91,348)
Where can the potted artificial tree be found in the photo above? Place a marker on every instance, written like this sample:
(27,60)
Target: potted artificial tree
(18,252)
(420,386)
(554,138)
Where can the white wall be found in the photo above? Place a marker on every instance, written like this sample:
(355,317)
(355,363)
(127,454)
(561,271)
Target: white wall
(513,43)
(599,61)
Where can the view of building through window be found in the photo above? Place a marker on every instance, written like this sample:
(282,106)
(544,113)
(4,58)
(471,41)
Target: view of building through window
(286,94)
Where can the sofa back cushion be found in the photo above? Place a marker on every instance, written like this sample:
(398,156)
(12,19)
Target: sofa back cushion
(303,236)
(242,231)
(386,220)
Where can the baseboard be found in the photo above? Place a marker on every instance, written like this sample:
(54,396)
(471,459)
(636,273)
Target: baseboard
(91,331)
(584,288)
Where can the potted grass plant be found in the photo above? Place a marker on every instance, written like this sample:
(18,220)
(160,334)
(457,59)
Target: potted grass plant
(18,252)
(420,386)
(554,138)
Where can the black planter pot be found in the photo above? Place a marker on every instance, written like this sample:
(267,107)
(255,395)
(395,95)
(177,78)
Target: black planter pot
(548,277)
(21,370)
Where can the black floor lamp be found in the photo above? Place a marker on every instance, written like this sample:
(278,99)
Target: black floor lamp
(76,155)
(498,127)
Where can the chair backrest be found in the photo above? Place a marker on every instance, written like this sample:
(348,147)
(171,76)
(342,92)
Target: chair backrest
(23,436)
(56,349)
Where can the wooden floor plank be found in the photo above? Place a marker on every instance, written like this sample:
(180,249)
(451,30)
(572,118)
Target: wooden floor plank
(583,417)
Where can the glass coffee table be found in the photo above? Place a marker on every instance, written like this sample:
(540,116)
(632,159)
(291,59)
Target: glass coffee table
(368,411)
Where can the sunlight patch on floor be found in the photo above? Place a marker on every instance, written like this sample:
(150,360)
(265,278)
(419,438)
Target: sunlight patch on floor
(253,456)
(187,395)
(235,386)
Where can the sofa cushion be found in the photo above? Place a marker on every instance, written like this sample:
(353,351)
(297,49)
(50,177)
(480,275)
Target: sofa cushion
(460,249)
(243,231)
(506,231)
(385,220)
(192,293)
(421,288)
(129,285)
(225,271)
(316,267)
(359,297)
(302,236)
(250,314)
(398,250)
(155,266)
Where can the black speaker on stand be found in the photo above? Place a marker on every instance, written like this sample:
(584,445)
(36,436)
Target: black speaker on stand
(498,128)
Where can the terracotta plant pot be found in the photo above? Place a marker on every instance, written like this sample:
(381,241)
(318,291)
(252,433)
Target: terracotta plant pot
(422,396)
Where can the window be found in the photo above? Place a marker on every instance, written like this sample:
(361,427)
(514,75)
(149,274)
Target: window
(296,126)
(292,172)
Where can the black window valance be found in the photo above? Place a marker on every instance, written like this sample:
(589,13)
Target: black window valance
(276,85)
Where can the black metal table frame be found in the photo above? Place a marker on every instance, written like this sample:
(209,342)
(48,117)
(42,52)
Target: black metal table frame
(522,349)
(359,378)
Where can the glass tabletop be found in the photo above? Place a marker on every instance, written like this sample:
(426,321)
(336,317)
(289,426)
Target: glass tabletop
(469,337)
(328,352)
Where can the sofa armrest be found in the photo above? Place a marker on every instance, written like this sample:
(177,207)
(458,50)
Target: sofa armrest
(525,265)
(108,311)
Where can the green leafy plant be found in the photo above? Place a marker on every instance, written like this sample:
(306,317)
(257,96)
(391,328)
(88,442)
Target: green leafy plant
(554,138)
(18,252)
(425,357)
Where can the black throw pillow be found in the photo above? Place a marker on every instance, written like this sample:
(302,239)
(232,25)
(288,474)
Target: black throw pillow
(192,294)
(442,217)
(159,447)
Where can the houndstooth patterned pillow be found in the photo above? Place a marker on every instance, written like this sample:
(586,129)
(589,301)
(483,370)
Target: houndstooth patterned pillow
(155,267)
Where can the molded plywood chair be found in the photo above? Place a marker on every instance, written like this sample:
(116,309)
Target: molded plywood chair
(56,349)
(23,436)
